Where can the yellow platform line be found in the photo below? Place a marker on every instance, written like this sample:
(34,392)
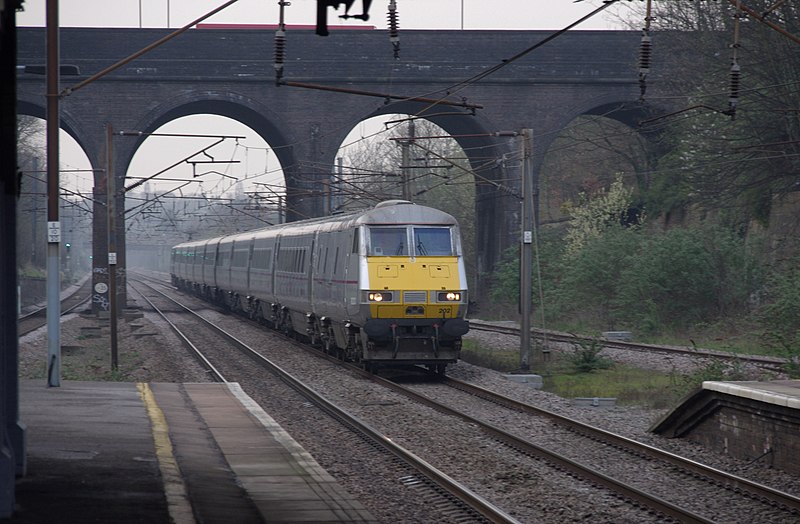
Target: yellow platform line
(178,505)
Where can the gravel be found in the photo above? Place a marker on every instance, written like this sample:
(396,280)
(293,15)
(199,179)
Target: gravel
(149,352)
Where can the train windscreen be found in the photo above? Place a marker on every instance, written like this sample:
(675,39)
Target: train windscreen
(388,241)
(432,242)
(427,241)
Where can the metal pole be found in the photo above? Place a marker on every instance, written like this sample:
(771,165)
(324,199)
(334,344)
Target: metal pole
(405,170)
(526,247)
(53,224)
(337,195)
(111,199)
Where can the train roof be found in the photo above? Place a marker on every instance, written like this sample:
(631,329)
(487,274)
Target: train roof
(386,212)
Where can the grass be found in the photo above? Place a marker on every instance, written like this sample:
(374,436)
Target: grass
(742,336)
(630,386)
(583,373)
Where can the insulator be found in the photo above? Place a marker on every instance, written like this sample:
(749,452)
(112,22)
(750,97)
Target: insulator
(393,22)
(280,51)
(394,28)
(645,52)
(736,77)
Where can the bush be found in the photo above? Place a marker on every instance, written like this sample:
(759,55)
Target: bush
(673,279)
(630,278)
(585,356)
(505,279)
(594,275)
(780,315)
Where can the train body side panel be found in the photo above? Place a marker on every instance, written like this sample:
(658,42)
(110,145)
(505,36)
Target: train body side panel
(292,273)
(261,267)
(333,274)
(209,259)
(240,261)
(222,269)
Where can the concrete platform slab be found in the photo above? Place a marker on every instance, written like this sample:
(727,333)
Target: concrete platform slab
(182,453)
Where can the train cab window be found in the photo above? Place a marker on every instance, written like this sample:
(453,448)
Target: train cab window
(432,241)
(388,242)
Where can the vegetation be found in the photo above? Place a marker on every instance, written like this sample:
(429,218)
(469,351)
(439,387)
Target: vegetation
(681,228)
(583,372)
(780,316)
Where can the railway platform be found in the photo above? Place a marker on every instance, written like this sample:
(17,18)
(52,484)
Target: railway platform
(185,453)
(749,420)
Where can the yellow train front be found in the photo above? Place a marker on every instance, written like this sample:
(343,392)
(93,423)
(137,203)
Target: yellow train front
(413,286)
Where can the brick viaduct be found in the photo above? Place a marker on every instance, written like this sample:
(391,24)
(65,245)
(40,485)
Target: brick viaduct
(230,73)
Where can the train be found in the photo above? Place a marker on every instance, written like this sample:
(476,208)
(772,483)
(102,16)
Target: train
(384,286)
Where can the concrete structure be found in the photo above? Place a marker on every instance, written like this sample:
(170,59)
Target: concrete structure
(230,73)
(124,452)
(755,421)
(12,431)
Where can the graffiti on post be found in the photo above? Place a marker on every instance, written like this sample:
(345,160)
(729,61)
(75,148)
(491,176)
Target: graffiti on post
(101,301)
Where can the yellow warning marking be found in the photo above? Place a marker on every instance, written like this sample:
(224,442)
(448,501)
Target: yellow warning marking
(178,505)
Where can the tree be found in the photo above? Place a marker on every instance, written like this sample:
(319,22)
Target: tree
(595,214)
(31,208)
(733,128)
(589,155)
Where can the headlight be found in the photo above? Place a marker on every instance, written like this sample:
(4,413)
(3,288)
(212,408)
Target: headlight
(379,296)
(449,296)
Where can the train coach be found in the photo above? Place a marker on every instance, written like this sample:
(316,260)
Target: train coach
(383,286)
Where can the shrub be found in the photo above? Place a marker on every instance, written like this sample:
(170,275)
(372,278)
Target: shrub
(780,315)
(585,356)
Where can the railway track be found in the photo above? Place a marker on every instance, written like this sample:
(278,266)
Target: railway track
(37,318)
(548,336)
(457,496)
(639,456)
(686,470)
(593,467)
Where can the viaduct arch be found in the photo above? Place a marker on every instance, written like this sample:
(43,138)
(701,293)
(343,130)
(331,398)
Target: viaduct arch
(230,73)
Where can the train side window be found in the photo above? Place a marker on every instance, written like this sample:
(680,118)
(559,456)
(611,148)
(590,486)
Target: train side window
(355,240)
(336,261)
(225,255)
(262,258)
(239,258)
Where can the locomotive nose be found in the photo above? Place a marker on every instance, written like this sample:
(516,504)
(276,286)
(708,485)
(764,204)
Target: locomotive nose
(415,311)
